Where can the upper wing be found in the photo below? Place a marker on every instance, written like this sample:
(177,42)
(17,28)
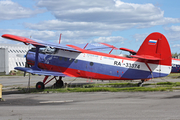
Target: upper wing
(95,46)
(35,42)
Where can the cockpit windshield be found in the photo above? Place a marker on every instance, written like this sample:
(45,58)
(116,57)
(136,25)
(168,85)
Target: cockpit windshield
(45,50)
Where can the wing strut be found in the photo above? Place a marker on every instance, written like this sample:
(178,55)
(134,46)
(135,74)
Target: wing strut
(35,67)
(148,66)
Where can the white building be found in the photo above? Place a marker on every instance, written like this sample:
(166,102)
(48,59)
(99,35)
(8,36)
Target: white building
(12,56)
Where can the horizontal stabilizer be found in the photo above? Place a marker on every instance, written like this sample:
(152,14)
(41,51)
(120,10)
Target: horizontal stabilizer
(144,57)
(40,72)
(128,50)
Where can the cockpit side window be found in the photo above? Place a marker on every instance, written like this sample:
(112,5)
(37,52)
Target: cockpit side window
(50,50)
(45,50)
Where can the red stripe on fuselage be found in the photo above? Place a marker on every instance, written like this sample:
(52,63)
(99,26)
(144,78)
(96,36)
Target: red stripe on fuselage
(78,73)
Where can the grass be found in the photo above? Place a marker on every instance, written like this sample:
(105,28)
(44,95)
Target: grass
(115,87)
(109,89)
(174,75)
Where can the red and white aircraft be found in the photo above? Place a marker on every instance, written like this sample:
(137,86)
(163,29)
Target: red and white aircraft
(152,60)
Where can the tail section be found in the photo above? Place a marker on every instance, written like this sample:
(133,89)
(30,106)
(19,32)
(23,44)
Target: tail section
(156,47)
(156,54)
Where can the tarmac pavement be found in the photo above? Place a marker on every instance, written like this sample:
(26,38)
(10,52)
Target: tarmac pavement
(92,106)
(88,106)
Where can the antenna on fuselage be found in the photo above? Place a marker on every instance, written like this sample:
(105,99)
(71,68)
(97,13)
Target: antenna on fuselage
(60,38)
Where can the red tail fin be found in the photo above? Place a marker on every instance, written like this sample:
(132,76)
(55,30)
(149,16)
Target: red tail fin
(155,47)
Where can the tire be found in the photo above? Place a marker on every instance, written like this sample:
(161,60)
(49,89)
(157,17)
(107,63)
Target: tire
(40,86)
(59,84)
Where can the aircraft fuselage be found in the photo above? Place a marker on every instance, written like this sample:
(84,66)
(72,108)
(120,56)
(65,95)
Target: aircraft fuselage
(95,66)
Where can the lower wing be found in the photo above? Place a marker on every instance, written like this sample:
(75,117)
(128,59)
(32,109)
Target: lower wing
(40,72)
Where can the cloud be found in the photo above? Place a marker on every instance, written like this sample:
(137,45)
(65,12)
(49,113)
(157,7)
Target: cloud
(81,21)
(173,33)
(53,36)
(43,35)
(108,12)
(11,10)
(112,39)
(173,28)
(176,45)
(73,26)
(86,19)
(140,37)
(162,21)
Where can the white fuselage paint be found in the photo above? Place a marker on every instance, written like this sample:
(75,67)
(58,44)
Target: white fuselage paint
(126,62)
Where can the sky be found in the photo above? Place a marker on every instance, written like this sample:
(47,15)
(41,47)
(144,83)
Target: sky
(122,23)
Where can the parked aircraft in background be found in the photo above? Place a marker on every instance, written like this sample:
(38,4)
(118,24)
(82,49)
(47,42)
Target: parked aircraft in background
(152,60)
(175,65)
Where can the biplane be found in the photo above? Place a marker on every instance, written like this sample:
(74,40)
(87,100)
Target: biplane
(152,60)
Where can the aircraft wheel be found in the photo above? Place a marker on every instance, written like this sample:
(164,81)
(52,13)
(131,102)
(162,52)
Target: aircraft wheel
(40,86)
(59,84)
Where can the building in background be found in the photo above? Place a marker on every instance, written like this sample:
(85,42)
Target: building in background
(12,55)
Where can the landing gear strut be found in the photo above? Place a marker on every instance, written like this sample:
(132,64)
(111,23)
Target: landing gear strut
(41,85)
(141,83)
(59,83)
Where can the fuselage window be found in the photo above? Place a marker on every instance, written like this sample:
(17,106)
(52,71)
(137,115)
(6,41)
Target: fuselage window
(91,63)
(60,58)
(70,59)
(76,61)
(65,59)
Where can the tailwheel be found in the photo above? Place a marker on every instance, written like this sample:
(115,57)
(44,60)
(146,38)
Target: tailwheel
(141,83)
(59,83)
(40,86)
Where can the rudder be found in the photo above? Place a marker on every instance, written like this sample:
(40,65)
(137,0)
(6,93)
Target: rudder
(156,46)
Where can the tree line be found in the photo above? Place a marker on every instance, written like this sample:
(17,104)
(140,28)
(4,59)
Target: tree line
(175,55)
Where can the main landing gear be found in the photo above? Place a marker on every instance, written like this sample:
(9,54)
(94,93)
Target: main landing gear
(58,84)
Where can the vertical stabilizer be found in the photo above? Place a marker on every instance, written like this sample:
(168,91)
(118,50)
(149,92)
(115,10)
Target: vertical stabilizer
(155,47)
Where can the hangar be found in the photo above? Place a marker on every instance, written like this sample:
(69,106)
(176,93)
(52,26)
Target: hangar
(12,55)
